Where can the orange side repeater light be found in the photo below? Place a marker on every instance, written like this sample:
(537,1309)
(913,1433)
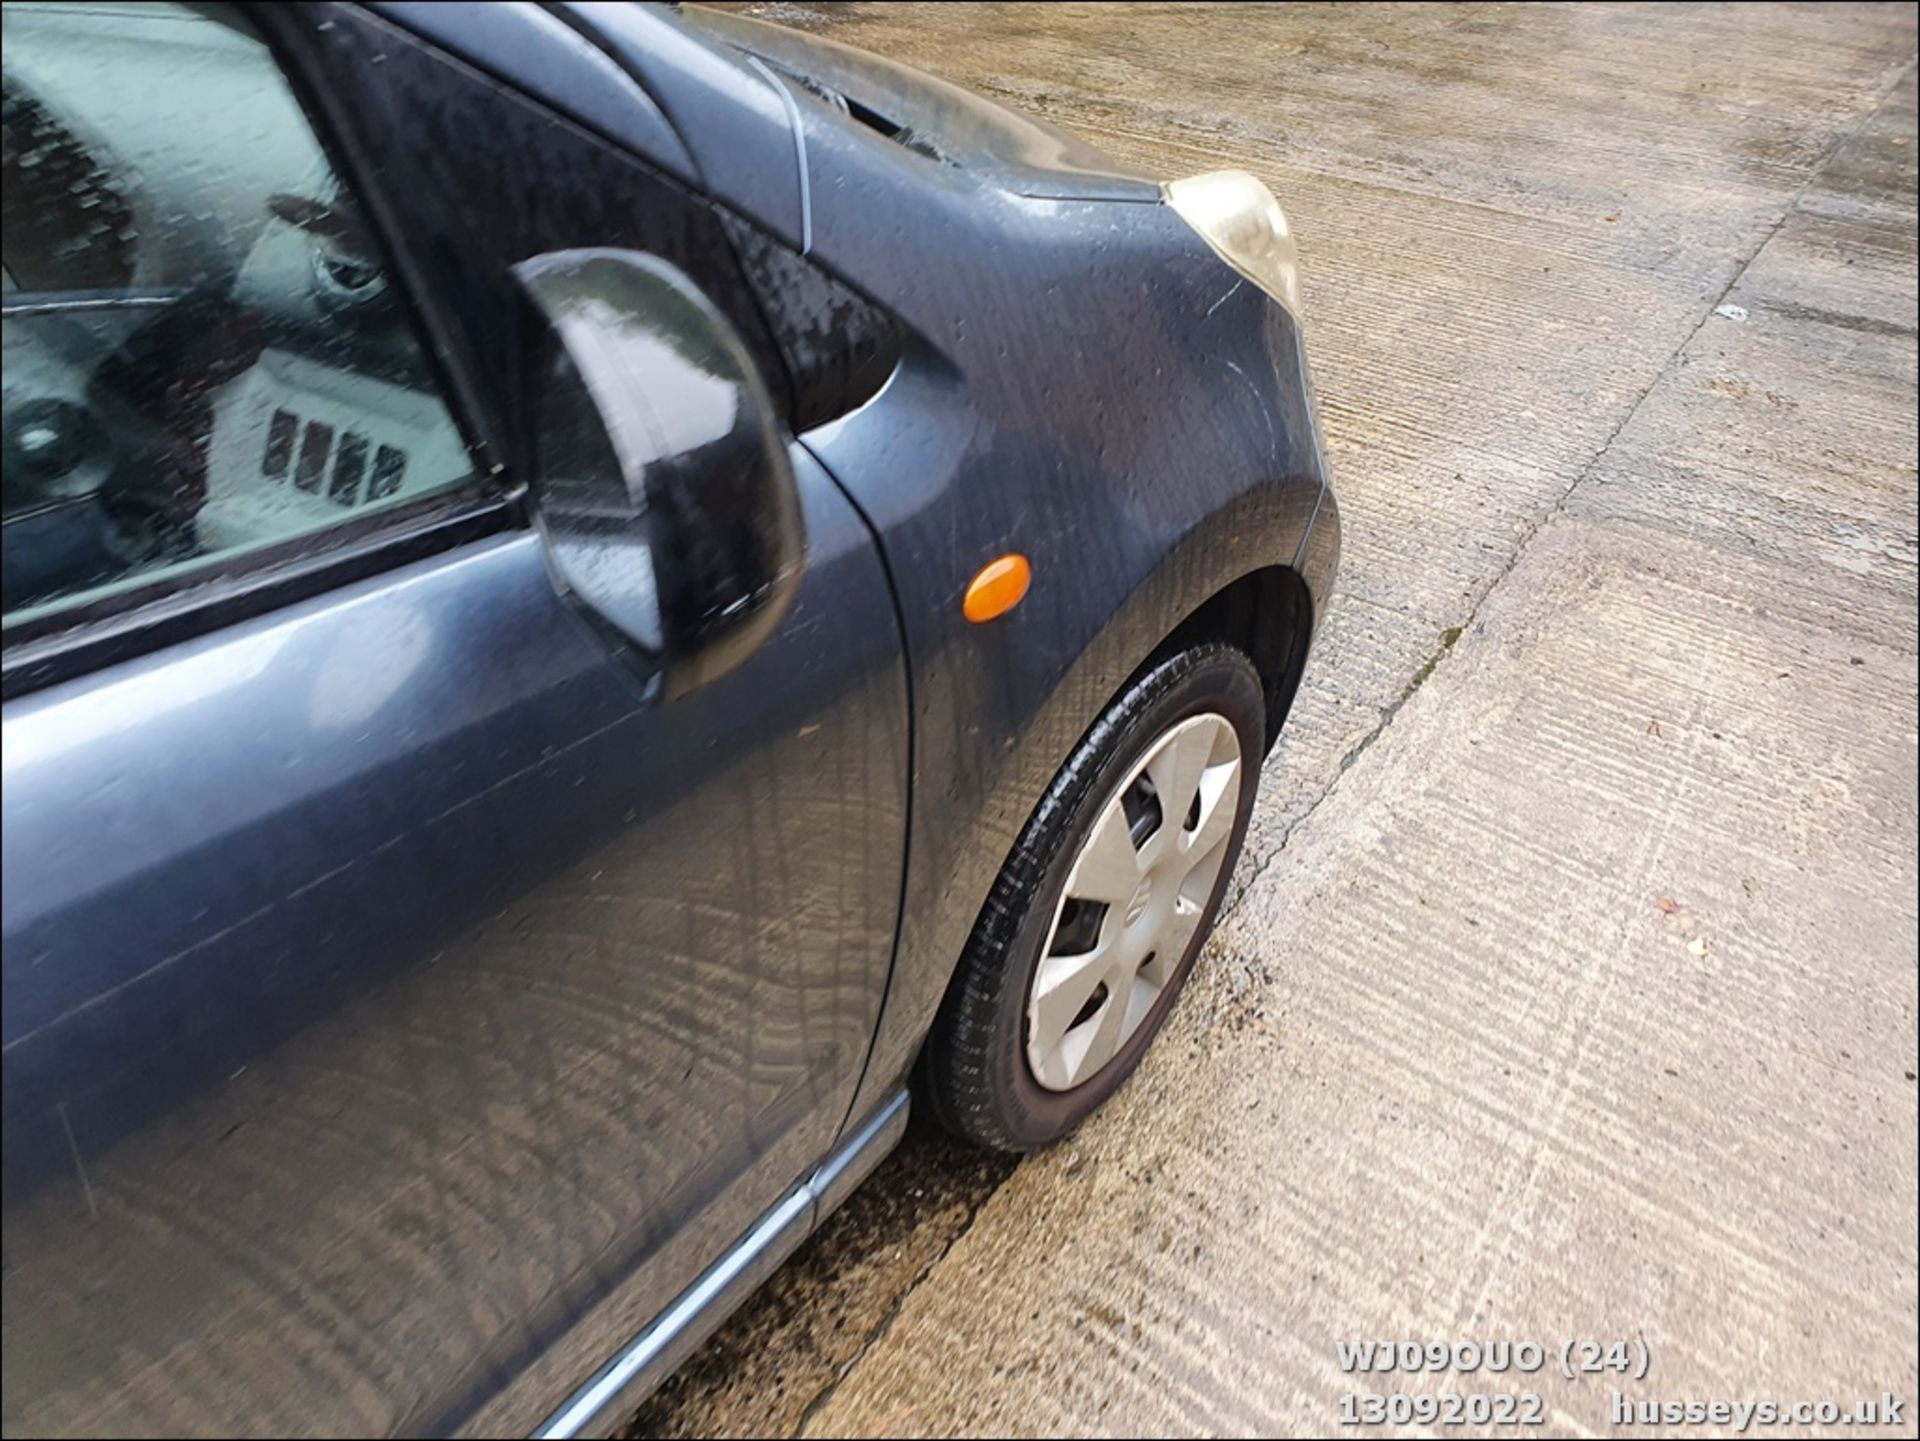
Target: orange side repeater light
(998,588)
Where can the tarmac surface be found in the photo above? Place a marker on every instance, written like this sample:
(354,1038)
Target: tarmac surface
(1568,990)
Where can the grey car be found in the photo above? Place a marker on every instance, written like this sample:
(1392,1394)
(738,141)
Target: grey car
(599,603)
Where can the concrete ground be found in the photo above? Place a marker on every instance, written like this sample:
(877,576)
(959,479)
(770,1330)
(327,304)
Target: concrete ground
(1569,990)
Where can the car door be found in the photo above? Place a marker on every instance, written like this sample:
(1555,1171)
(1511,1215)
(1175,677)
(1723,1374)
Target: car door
(402,1002)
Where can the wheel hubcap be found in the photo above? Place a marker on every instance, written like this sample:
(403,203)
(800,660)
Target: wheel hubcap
(1133,901)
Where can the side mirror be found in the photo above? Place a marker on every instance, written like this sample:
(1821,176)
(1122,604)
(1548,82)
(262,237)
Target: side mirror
(661,483)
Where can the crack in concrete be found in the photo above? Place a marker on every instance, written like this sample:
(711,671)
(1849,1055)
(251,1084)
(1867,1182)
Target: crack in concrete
(886,1323)
(1552,512)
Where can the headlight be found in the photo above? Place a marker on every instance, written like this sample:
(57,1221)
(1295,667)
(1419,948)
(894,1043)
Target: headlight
(1238,216)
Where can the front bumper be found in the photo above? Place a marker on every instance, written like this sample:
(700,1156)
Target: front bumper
(1319,556)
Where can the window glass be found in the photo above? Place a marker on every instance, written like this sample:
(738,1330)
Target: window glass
(203,356)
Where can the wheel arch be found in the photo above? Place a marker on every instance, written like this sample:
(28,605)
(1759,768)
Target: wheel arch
(1268,614)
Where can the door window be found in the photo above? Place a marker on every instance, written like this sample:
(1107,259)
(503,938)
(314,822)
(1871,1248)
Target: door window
(204,358)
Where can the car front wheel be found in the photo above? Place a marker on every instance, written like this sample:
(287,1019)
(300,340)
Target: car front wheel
(1101,909)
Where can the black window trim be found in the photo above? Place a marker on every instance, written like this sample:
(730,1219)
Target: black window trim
(89,637)
(79,639)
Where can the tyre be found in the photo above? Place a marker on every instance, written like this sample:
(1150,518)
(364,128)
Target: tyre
(1096,918)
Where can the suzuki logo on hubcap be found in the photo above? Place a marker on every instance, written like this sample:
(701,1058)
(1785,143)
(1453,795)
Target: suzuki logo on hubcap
(1141,895)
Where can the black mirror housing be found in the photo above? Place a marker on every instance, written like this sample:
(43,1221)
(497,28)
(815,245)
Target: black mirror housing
(661,482)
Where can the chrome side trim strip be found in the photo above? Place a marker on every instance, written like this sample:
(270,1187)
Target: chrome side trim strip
(603,1404)
(855,1160)
(700,1306)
